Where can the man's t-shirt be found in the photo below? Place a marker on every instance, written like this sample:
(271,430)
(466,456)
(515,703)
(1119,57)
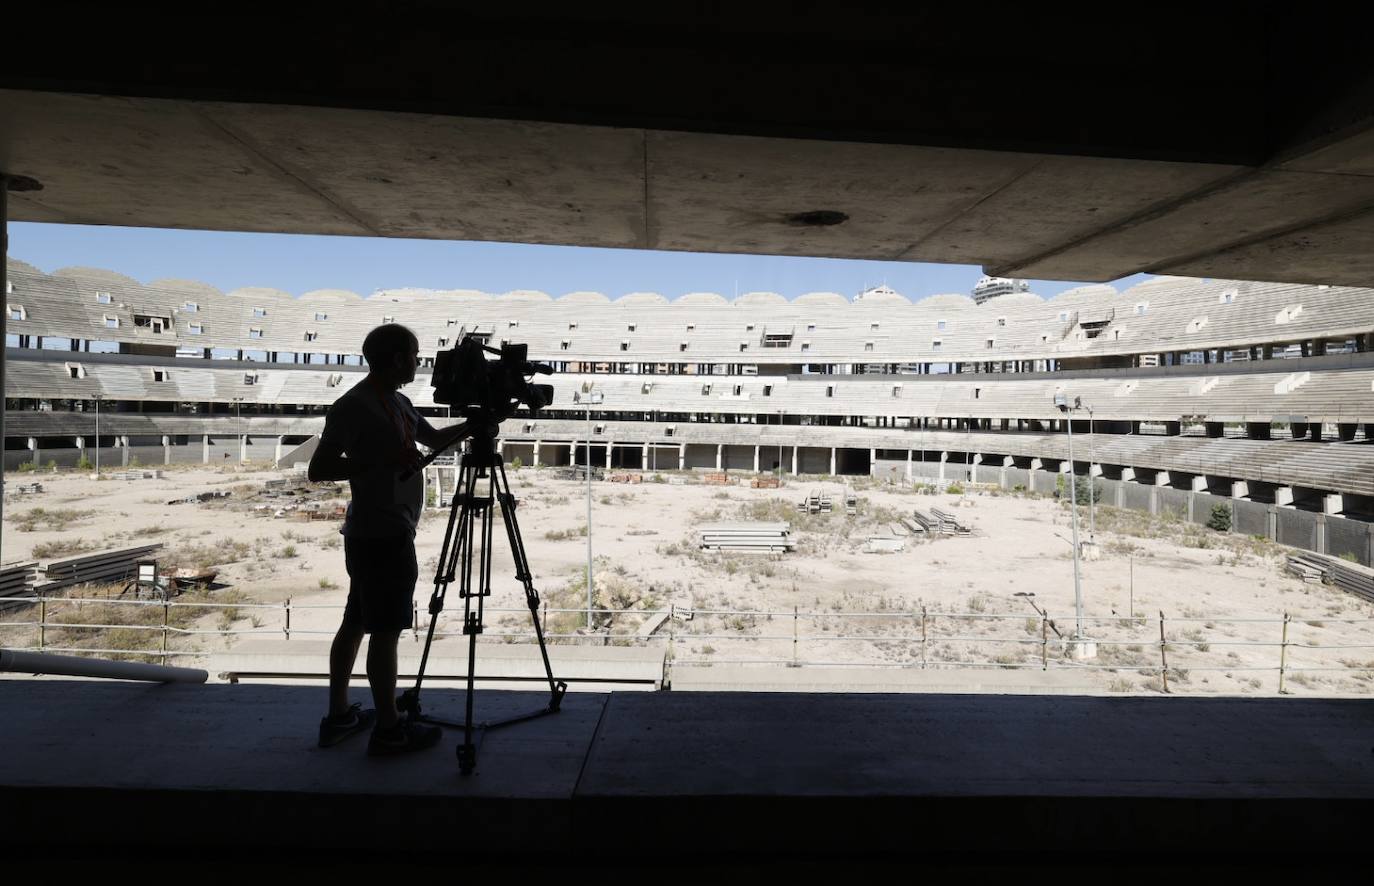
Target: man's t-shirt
(375,425)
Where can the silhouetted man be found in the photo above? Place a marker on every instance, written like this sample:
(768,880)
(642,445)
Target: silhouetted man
(369,440)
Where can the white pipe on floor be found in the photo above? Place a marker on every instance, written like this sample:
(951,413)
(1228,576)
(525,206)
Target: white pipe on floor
(76,666)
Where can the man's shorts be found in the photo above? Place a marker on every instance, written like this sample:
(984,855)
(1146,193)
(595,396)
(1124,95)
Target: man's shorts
(381,588)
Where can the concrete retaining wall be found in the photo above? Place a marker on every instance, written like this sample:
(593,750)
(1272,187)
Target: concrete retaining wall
(1203,504)
(1250,518)
(1348,537)
(890,469)
(1137,497)
(1297,528)
(1173,501)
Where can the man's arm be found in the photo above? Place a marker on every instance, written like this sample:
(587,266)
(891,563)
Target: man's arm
(329,462)
(440,438)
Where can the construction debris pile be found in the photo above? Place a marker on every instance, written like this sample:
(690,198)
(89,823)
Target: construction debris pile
(292,498)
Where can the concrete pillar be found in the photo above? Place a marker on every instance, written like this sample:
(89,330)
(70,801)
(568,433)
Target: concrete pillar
(1333,504)
(80,449)
(1128,475)
(1161,478)
(794,460)
(973,467)
(1240,489)
(1319,534)
(1094,470)
(1036,464)
(123,443)
(167,450)
(1283,496)
(37,456)
(872,460)
(276,455)
(610,448)
(908,466)
(944,457)
(243,448)
(720,456)
(536,453)
(500,448)
(1199,484)
(682,456)
(832,461)
(644,458)
(756,458)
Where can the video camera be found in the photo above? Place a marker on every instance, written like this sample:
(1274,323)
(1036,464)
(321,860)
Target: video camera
(465,379)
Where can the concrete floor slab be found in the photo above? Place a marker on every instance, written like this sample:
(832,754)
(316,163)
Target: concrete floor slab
(108,767)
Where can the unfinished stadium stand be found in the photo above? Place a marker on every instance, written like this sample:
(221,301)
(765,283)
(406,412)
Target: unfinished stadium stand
(1258,391)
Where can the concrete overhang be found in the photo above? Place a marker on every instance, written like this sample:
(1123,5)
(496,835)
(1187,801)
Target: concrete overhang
(1236,147)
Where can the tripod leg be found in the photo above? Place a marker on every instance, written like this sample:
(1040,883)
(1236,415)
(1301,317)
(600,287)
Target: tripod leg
(472,623)
(557,689)
(459,515)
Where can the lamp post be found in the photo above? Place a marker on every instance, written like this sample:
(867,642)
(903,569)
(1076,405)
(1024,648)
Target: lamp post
(1082,646)
(1092,487)
(590,396)
(97,436)
(238,424)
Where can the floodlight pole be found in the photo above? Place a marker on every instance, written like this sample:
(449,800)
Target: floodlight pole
(1073,509)
(590,399)
(1092,487)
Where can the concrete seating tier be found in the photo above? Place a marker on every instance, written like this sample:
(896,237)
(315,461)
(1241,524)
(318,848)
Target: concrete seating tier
(70,303)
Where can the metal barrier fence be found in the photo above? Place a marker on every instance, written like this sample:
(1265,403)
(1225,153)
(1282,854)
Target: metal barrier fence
(916,635)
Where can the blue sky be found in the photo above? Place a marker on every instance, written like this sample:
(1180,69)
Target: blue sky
(299,264)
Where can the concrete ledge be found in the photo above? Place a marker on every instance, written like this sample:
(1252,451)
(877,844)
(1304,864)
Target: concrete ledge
(583,667)
(739,678)
(703,776)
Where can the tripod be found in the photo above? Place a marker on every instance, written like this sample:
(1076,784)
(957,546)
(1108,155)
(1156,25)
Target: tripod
(467,545)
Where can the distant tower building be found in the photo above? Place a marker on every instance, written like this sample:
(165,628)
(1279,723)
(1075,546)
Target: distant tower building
(875,292)
(991,287)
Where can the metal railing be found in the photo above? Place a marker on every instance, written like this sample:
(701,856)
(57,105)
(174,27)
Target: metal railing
(923,638)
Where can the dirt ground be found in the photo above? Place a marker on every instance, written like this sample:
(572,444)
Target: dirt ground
(1223,597)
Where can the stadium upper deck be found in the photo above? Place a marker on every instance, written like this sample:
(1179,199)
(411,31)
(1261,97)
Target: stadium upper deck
(1093,325)
(942,378)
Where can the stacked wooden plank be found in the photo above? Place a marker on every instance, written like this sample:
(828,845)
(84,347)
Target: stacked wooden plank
(913,527)
(1302,567)
(754,537)
(16,581)
(949,524)
(107,567)
(1346,576)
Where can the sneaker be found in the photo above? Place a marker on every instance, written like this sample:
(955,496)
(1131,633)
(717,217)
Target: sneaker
(402,738)
(337,727)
